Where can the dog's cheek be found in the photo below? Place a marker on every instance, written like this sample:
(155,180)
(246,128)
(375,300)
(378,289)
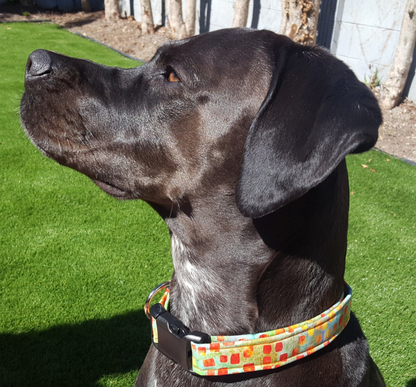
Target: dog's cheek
(49,123)
(94,117)
(226,151)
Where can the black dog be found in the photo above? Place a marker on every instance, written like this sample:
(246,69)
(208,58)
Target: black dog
(237,139)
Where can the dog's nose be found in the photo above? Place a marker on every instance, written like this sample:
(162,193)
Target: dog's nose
(39,63)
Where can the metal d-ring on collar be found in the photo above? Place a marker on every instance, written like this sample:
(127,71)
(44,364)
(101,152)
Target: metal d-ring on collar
(152,295)
(170,335)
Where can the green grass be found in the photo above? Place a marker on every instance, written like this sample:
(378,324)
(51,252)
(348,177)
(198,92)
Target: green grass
(76,265)
(381,261)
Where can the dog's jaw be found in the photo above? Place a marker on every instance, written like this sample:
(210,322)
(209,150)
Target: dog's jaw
(112,190)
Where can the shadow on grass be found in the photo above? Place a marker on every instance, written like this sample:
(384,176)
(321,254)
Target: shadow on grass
(79,22)
(411,383)
(75,355)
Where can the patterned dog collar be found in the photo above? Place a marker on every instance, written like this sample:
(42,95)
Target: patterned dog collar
(222,355)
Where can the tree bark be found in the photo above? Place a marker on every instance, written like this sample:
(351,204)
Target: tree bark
(300,20)
(85,5)
(176,20)
(112,12)
(392,88)
(148,26)
(190,17)
(240,13)
(26,2)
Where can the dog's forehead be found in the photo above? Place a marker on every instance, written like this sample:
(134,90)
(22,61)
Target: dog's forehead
(234,46)
(218,58)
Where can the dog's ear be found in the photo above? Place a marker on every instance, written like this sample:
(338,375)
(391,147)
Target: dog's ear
(315,113)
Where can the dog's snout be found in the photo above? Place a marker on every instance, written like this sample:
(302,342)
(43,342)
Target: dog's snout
(39,63)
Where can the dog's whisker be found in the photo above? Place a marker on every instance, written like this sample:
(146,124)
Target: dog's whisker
(171,211)
(60,146)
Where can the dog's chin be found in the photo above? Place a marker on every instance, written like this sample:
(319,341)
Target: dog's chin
(113,190)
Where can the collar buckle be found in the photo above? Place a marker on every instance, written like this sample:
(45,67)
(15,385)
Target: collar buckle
(174,337)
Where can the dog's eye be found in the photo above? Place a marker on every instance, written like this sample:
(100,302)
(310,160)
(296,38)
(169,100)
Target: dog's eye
(171,75)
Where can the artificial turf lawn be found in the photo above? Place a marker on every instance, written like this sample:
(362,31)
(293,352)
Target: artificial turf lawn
(76,265)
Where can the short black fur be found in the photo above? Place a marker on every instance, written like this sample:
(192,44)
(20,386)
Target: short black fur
(244,160)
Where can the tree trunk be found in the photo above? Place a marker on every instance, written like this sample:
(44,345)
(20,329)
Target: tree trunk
(176,20)
(28,3)
(240,13)
(111,10)
(85,5)
(190,17)
(148,27)
(300,20)
(392,88)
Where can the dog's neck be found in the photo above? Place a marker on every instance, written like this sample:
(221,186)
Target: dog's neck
(235,275)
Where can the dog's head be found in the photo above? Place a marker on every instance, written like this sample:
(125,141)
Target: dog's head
(232,112)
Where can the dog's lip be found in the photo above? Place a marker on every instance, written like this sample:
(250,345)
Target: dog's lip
(111,189)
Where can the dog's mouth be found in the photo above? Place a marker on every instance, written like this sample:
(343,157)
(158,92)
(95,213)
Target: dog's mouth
(112,190)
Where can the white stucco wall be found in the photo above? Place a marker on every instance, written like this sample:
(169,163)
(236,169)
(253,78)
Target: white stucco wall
(366,34)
